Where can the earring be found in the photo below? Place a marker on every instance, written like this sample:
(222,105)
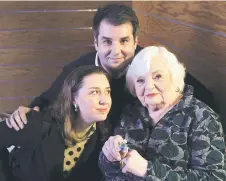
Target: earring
(75,107)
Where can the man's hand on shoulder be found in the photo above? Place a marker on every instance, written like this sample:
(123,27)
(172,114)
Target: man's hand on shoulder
(18,118)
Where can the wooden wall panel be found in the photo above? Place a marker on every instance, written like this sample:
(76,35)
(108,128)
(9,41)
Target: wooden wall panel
(28,73)
(36,56)
(26,88)
(46,20)
(8,6)
(35,36)
(196,33)
(201,15)
(209,49)
(200,48)
(36,40)
(43,38)
(10,104)
(194,64)
(146,40)
(179,33)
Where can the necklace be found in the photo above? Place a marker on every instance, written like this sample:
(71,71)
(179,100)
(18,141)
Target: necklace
(83,135)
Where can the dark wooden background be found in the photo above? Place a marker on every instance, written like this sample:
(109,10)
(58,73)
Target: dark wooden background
(38,38)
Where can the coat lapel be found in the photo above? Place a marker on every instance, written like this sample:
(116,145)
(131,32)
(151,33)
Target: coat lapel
(53,147)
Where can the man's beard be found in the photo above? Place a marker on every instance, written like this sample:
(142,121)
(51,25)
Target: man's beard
(120,69)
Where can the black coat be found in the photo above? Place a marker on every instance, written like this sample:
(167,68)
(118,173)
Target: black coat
(41,155)
(186,144)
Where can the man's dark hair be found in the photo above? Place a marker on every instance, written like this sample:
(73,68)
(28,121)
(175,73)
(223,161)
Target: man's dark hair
(115,14)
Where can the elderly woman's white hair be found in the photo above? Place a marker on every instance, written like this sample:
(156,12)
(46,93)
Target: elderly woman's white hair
(140,66)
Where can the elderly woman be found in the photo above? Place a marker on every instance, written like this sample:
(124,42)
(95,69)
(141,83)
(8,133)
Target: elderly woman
(170,134)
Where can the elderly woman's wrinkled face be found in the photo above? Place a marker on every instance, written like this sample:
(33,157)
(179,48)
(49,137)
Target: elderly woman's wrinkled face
(155,89)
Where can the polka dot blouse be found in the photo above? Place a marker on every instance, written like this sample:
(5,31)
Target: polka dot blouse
(72,153)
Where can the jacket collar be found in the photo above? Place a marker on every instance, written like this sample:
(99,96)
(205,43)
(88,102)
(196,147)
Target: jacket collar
(186,99)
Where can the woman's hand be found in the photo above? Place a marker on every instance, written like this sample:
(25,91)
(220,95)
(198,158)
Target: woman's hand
(111,148)
(134,163)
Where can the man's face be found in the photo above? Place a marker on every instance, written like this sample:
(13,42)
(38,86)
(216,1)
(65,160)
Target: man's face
(115,46)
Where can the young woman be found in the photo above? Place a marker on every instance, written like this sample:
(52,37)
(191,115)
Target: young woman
(62,142)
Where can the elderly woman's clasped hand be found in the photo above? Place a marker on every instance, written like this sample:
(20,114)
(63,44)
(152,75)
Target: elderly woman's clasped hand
(131,160)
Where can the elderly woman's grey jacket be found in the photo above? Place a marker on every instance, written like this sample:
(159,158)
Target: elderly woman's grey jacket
(186,144)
